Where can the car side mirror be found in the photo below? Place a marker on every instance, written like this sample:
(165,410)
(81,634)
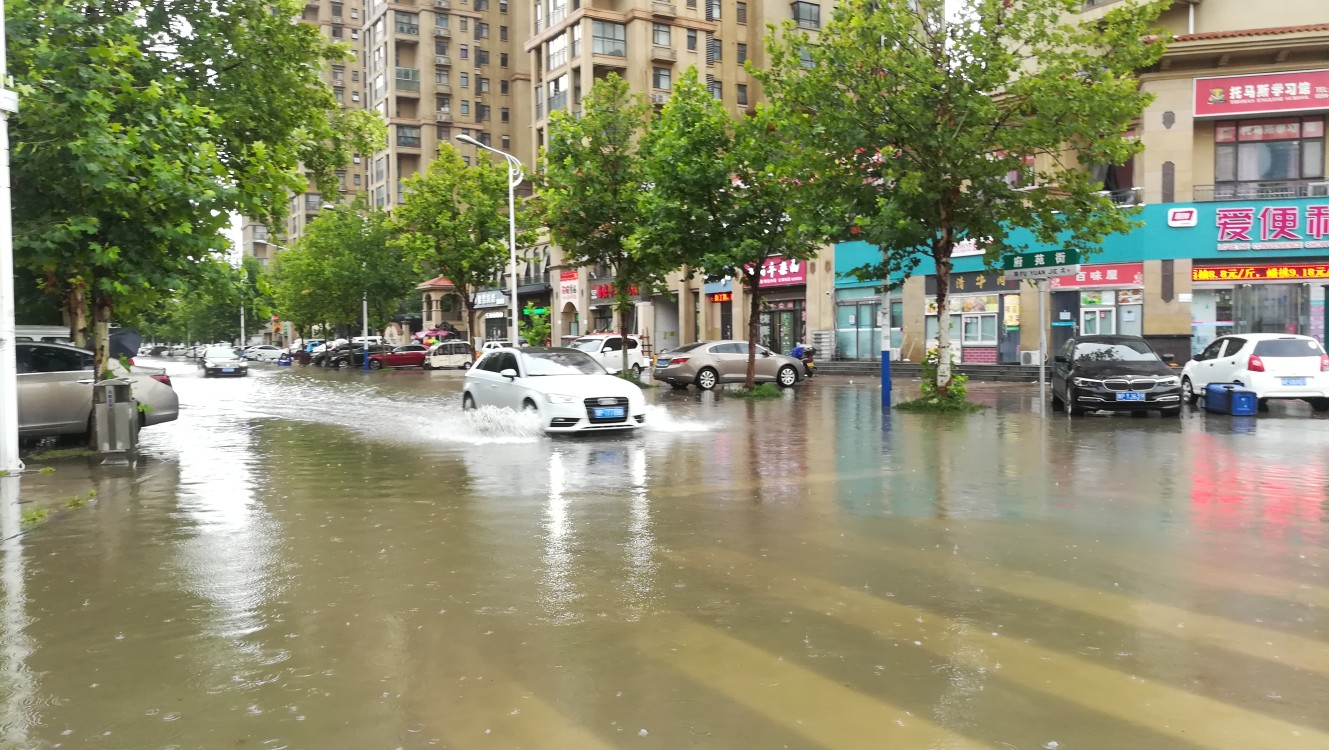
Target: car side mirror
(765,353)
(509,373)
(1061,358)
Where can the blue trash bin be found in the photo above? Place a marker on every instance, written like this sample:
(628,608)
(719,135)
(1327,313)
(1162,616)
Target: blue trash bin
(1244,402)
(1218,397)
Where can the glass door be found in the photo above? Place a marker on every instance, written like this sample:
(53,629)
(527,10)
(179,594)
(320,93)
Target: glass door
(1098,321)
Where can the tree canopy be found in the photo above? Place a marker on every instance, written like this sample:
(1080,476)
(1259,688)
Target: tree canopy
(917,130)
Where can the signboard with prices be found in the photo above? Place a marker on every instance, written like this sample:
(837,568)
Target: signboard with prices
(1293,91)
(1041,265)
(722,297)
(1276,272)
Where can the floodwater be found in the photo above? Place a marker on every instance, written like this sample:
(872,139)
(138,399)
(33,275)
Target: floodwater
(312,559)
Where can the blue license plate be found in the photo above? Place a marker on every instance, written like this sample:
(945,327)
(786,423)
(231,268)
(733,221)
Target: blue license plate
(610,412)
(1294,381)
(1130,396)
(662,364)
(228,369)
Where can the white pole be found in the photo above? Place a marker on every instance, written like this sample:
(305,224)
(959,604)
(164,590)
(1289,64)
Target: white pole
(364,327)
(514,176)
(9,460)
(1042,338)
(242,324)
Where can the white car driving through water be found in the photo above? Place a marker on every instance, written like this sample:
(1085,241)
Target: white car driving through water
(565,388)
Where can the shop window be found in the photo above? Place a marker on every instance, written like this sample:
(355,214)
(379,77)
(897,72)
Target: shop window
(1250,152)
(979,330)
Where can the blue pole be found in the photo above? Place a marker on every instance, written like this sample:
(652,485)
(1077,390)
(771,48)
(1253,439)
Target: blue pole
(885,317)
(886,379)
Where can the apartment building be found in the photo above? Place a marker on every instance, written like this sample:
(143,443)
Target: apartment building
(1235,207)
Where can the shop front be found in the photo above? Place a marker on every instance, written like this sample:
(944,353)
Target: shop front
(720,298)
(858,323)
(1257,297)
(984,317)
(602,309)
(492,307)
(1099,300)
(783,288)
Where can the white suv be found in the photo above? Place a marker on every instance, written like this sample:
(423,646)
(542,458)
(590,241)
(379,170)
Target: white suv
(607,349)
(1273,365)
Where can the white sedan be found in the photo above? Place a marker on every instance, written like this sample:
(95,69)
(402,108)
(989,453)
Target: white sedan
(568,390)
(263,353)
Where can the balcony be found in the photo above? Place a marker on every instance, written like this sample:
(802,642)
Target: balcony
(1125,196)
(558,101)
(442,4)
(442,32)
(1264,190)
(443,87)
(336,19)
(411,29)
(666,54)
(442,61)
(443,115)
(408,80)
(663,9)
(408,141)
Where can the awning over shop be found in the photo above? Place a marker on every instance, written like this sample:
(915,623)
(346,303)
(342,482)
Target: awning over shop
(715,287)
(528,289)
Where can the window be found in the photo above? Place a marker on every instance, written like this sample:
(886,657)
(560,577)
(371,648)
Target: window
(742,53)
(557,52)
(660,34)
(692,40)
(714,50)
(712,10)
(355,75)
(481,112)
(503,86)
(486,139)
(465,52)
(741,91)
(980,329)
(741,12)
(465,106)
(440,46)
(506,142)
(444,132)
(502,33)
(355,96)
(716,88)
(503,59)
(557,10)
(504,114)
(806,15)
(465,80)
(440,76)
(482,4)
(463,24)
(482,85)
(692,3)
(408,136)
(336,32)
(407,23)
(481,30)
(502,6)
(339,94)
(805,57)
(481,56)
(609,38)
(660,78)
(33,358)
(312,201)
(1255,151)
(441,20)
(354,35)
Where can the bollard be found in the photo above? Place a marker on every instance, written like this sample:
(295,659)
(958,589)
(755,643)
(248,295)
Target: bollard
(115,418)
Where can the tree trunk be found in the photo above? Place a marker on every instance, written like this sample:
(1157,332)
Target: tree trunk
(76,308)
(943,325)
(623,303)
(753,283)
(470,315)
(102,306)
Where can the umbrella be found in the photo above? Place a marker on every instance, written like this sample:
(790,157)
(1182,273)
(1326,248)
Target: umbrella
(125,342)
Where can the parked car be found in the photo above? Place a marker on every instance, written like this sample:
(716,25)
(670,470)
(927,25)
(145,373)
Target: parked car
(567,389)
(1274,365)
(55,390)
(1113,373)
(449,354)
(222,360)
(351,355)
(707,364)
(607,349)
(263,353)
(410,355)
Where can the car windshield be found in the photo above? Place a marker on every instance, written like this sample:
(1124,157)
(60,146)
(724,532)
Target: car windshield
(561,363)
(1288,348)
(586,345)
(1117,351)
(219,354)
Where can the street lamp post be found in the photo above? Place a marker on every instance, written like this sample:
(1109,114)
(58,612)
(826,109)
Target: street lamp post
(515,175)
(9,460)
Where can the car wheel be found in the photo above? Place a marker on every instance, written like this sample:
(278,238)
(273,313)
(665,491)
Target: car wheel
(1057,403)
(528,407)
(786,377)
(465,365)
(1188,393)
(1071,408)
(467,402)
(707,379)
(425,364)
(375,364)
(679,386)
(1320,404)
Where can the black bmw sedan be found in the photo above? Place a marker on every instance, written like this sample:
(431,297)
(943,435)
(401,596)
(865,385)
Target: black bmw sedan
(1113,373)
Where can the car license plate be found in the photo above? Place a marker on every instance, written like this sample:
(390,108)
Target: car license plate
(609,412)
(1294,381)
(228,369)
(1130,396)
(662,364)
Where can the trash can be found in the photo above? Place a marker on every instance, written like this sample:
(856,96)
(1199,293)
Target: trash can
(115,416)
(1230,398)
(1244,402)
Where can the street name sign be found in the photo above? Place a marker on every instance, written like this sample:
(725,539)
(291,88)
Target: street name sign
(1041,265)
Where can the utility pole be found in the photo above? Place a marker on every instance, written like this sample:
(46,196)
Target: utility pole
(9,460)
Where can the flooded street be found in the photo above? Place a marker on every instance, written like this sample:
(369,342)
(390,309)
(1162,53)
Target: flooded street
(317,559)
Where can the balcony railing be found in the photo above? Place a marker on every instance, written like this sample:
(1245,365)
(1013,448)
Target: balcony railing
(408,79)
(442,61)
(1264,190)
(1126,196)
(663,53)
(408,28)
(408,141)
(442,4)
(558,101)
(663,9)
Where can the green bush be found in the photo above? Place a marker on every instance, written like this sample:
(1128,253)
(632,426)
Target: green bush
(760,391)
(930,399)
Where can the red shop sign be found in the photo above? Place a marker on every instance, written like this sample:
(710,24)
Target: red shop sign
(1108,274)
(722,297)
(606,291)
(777,271)
(567,275)
(1294,91)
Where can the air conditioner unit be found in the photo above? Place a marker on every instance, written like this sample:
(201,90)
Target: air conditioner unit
(1029,358)
(1317,189)
(659,98)
(336,19)
(442,60)
(439,31)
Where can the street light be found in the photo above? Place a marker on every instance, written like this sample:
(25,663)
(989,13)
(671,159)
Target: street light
(515,176)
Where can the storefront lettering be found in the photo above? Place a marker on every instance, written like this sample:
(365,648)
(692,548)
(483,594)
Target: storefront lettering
(1260,273)
(1271,92)
(607,291)
(1281,228)
(1103,275)
(777,271)
(722,297)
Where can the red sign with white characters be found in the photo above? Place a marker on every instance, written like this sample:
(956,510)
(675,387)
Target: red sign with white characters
(1294,91)
(1108,274)
(777,271)
(1273,228)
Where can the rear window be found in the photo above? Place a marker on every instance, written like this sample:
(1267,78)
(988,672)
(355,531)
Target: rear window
(687,347)
(1288,348)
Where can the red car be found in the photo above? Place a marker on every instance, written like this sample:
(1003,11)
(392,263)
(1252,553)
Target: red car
(411,355)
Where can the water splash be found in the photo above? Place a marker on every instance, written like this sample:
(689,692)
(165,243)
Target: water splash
(658,419)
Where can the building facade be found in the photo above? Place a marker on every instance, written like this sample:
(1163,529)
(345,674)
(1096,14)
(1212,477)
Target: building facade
(1235,208)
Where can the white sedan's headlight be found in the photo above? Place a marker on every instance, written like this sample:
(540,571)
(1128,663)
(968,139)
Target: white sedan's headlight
(559,398)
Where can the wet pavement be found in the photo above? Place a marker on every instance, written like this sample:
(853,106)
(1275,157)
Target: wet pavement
(312,559)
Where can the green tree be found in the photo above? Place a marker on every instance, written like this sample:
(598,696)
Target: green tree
(143,125)
(344,256)
(453,222)
(910,124)
(535,329)
(590,186)
(719,197)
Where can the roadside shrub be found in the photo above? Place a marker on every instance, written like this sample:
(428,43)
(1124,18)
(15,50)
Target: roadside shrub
(932,400)
(760,391)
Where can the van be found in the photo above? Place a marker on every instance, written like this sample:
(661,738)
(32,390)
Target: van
(449,354)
